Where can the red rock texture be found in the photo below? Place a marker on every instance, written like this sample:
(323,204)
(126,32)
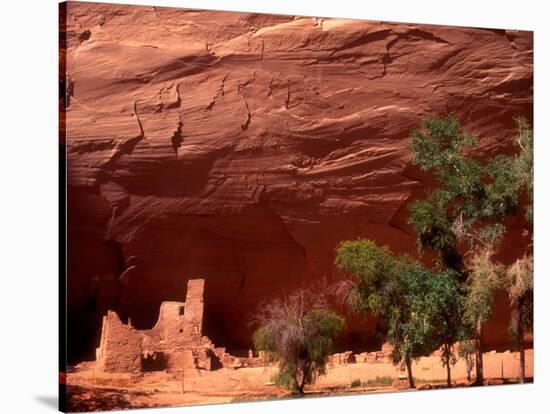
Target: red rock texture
(243,147)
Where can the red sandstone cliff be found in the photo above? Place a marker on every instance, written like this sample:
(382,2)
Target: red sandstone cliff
(244,147)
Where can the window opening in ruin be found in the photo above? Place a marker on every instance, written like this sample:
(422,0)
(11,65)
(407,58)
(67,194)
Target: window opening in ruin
(182,310)
(153,361)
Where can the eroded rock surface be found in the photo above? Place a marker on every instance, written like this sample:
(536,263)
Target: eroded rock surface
(243,147)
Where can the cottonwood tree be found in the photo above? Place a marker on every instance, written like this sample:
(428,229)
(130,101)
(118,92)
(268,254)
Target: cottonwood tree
(484,279)
(523,165)
(518,278)
(420,308)
(519,284)
(466,351)
(444,307)
(298,331)
(470,201)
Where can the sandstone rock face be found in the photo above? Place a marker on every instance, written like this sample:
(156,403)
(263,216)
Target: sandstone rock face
(243,147)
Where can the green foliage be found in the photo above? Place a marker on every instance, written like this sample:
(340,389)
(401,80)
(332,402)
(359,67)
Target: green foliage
(287,377)
(298,332)
(264,340)
(410,329)
(438,146)
(430,222)
(471,195)
(444,306)
(469,205)
(466,351)
(483,280)
(427,309)
(373,268)
(421,308)
(356,383)
(519,285)
(385,380)
(524,163)
(466,348)
(500,195)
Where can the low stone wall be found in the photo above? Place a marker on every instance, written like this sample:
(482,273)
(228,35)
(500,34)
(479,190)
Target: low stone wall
(426,369)
(500,365)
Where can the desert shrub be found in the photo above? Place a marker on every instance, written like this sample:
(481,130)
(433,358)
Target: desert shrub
(298,331)
(356,383)
(385,380)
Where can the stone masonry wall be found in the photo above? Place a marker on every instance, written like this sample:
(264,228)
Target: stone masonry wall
(176,338)
(120,348)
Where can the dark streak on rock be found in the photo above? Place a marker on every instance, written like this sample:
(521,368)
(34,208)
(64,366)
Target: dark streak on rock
(177,138)
(287,101)
(219,92)
(138,120)
(246,123)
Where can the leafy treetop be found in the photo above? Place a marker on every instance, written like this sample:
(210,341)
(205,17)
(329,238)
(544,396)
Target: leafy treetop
(471,196)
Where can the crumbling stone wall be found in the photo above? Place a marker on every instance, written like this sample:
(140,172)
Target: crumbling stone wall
(175,342)
(194,311)
(120,348)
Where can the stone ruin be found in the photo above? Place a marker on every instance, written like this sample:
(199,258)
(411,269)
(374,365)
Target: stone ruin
(174,343)
(348,357)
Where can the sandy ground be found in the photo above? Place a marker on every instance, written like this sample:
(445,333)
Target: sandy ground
(89,390)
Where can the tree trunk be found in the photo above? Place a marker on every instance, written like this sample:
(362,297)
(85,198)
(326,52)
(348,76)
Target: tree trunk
(521,350)
(302,384)
(408,363)
(448,364)
(479,354)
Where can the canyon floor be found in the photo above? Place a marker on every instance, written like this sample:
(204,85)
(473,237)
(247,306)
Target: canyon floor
(89,390)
